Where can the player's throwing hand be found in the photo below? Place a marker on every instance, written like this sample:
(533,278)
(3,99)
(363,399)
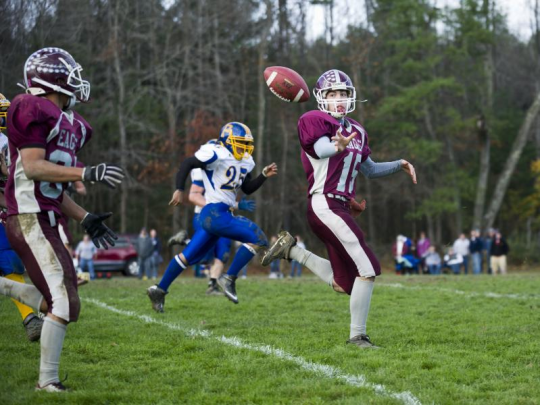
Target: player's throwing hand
(341,142)
(408,168)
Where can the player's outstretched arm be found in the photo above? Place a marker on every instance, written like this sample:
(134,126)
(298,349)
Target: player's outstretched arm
(409,169)
(35,167)
(249,186)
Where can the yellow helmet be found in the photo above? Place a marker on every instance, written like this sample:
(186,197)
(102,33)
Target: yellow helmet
(4,105)
(237,137)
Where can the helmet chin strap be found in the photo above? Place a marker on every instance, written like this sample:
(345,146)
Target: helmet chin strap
(72,101)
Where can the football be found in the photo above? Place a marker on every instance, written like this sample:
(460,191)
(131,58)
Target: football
(286,84)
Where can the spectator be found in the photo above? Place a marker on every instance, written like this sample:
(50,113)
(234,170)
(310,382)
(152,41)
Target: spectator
(86,252)
(488,240)
(453,260)
(294,264)
(405,261)
(145,250)
(475,247)
(432,261)
(461,246)
(422,247)
(499,250)
(156,255)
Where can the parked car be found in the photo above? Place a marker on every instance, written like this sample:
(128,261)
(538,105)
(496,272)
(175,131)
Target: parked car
(120,257)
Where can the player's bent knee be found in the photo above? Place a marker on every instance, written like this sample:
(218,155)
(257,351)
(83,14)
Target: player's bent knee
(67,309)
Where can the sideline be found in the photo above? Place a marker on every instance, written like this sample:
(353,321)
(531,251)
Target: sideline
(486,294)
(321,369)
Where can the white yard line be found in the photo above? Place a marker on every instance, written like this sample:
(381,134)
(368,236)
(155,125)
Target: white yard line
(487,294)
(317,368)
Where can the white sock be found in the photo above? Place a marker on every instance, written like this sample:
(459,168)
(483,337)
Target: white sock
(360,301)
(52,340)
(24,293)
(216,269)
(321,267)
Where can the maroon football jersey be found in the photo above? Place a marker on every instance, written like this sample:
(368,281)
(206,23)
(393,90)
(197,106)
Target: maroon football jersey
(335,175)
(36,122)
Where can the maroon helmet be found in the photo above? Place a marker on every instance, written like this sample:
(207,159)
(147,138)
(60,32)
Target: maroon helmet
(54,70)
(333,80)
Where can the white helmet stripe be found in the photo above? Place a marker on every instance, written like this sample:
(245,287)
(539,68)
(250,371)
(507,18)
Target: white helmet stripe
(338,79)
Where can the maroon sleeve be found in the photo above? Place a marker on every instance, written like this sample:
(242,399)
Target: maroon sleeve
(310,129)
(26,125)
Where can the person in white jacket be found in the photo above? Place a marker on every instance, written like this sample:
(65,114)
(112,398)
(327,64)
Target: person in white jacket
(461,246)
(453,260)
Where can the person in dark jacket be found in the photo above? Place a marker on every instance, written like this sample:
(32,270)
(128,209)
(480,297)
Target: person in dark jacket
(145,250)
(499,251)
(156,255)
(476,246)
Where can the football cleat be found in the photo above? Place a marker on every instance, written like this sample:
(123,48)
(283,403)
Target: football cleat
(280,249)
(228,285)
(33,325)
(157,297)
(52,387)
(362,341)
(178,239)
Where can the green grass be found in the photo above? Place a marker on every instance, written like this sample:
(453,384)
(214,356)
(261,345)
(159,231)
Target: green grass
(444,340)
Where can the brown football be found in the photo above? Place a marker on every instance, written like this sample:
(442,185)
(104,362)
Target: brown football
(286,84)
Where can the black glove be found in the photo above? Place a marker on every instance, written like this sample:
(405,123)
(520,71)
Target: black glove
(98,231)
(106,173)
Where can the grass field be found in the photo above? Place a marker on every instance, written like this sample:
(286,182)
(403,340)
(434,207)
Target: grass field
(445,340)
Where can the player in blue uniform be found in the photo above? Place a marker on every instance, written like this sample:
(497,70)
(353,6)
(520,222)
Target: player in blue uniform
(11,266)
(221,251)
(227,167)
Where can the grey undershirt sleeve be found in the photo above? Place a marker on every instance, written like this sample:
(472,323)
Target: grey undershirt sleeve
(324,147)
(372,170)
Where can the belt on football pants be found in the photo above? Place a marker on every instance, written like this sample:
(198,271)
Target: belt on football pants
(337,197)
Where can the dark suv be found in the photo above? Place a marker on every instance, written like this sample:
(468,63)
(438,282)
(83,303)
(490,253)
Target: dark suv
(120,257)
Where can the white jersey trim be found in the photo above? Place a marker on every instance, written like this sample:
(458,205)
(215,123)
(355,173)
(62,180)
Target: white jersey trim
(320,172)
(24,190)
(49,263)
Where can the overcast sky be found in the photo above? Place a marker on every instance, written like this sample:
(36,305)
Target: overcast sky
(517,11)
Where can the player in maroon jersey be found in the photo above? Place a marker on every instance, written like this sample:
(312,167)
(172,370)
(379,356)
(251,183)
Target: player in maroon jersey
(335,149)
(45,136)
